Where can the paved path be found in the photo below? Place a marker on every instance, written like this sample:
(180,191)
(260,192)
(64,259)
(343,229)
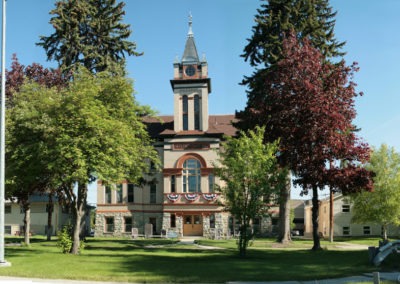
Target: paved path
(368,277)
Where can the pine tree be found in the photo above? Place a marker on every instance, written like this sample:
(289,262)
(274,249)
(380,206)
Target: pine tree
(88,33)
(311,19)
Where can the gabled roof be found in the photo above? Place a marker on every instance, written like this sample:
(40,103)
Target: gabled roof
(218,125)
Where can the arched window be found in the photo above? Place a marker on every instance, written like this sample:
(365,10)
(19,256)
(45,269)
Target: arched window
(191,176)
(196,112)
(185,119)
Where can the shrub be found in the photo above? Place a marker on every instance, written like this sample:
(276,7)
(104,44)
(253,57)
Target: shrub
(64,239)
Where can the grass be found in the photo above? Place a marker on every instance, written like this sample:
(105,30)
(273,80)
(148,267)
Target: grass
(124,260)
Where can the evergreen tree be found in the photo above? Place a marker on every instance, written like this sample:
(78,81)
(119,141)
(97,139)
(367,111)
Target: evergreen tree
(311,19)
(88,33)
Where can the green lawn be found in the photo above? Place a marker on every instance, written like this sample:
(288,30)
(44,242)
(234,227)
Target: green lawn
(166,261)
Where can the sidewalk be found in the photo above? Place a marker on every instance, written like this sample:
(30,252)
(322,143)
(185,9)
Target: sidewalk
(367,277)
(20,280)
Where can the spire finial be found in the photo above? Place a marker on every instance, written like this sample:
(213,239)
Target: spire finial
(190,33)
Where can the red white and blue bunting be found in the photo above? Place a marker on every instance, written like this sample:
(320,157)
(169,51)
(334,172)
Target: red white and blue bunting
(191,197)
(210,196)
(173,197)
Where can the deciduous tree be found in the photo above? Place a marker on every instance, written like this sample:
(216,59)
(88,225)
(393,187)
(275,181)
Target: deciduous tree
(91,129)
(251,175)
(380,206)
(23,179)
(312,19)
(308,104)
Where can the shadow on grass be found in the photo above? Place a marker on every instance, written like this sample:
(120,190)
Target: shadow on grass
(134,261)
(225,266)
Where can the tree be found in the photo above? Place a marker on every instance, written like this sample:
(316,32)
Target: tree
(89,33)
(312,19)
(251,175)
(91,130)
(18,74)
(380,206)
(22,178)
(310,107)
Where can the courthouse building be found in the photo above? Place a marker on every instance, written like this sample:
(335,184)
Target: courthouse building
(179,199)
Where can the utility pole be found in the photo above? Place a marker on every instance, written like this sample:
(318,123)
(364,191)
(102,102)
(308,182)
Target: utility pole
(3,262)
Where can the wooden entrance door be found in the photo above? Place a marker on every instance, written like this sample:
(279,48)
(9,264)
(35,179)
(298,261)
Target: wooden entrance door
(193,225)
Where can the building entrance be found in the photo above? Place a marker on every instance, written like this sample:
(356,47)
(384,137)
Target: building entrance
(193,225)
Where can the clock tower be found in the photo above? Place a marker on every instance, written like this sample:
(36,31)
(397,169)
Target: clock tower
(191,87)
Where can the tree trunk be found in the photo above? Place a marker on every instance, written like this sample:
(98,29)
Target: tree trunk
(27,222)
(50,217)
(331,216)
(315,212)
(384,232)
(284,212)
(242,242)
(78,212)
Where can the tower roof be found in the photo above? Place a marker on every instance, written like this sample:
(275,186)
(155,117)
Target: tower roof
(190,54)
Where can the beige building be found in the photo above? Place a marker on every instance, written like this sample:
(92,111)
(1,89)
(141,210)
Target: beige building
(342,225)
(14,216)
(180,199)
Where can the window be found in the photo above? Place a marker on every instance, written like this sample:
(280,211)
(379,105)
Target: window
(191,176)
(65,209)
(49,208)
(346,231)
(256,224)
(119,193)
(173,221)
(211,183)
(367,230)
(109,224)
(128,224)
(185,118)
(7,209)
(153,191)
(108,194)
(346,208)
(196,112)
(197,219)
(212,221)
(173,186)
(7,230)
(131,196)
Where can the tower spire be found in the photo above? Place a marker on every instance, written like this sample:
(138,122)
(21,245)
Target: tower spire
(190,55)
(190,33)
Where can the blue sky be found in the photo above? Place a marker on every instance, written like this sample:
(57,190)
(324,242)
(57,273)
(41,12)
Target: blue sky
(370,29)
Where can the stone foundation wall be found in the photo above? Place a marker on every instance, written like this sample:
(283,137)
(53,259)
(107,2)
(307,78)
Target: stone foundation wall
(138,221)
(163,223)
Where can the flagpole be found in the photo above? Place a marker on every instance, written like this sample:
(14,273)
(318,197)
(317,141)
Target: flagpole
(3,262)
